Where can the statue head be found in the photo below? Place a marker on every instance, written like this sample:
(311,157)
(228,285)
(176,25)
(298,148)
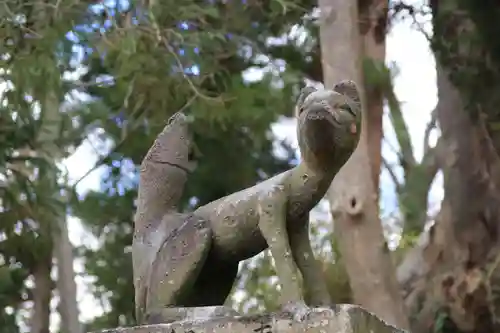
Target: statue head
(328,125)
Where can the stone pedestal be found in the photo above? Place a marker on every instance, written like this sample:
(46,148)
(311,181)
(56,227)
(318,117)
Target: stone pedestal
(342,318)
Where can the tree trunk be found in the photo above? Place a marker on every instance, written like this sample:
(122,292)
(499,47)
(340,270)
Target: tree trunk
(372,27)
(40,316)
(68,303)
(63,250)
(447,277)
(49,131)
(352,196)
(450,277)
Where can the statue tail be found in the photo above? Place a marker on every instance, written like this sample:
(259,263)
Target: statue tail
(163,172)
(163,176)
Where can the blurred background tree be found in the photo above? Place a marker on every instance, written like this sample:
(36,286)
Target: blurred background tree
(116,70)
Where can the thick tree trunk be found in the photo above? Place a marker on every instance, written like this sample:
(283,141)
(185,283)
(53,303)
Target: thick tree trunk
(451,278)
(352,196)
(448,276)
(40,316)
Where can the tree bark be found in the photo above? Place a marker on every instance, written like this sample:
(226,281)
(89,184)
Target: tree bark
(63,250)
(49,131)
(40,317)
(372,16)
(448,275)
(66,285)
(352,196)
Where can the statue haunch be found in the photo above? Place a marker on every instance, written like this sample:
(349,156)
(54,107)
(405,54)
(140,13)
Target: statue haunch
(185,264)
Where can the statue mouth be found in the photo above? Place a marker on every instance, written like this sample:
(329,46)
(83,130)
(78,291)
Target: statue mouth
(321,112)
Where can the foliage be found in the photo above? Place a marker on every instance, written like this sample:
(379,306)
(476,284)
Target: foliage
(26,213)
(34,58)
(135,59)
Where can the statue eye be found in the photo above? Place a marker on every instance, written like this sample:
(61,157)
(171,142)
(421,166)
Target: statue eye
(347,108)
(191,155)
(171,119)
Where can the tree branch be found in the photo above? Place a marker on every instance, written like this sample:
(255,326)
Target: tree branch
(430,126)
(433,157)
(103,159)
(415,191)
(392,173)
(401,130)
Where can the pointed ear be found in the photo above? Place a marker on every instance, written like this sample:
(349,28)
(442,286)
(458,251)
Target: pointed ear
(304,92)
(349,89)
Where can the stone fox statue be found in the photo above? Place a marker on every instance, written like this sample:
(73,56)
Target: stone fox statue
(185,264)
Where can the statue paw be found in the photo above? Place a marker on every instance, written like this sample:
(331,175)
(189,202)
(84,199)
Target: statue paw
(299,310)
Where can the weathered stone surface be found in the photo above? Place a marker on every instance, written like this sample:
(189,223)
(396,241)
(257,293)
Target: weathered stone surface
(342,318)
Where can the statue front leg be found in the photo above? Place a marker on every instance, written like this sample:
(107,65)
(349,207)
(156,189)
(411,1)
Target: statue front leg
(314,281)
(272,224)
